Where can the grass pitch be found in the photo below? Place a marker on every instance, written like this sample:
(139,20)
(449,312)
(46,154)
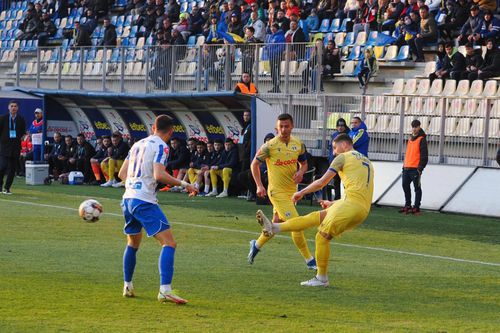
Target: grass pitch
(433,273)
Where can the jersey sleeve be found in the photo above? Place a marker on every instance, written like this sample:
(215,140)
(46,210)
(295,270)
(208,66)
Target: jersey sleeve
(337,164)
(161,154)
(263,153)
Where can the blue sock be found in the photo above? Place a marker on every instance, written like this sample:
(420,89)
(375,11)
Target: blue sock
(166,264)
(129,263)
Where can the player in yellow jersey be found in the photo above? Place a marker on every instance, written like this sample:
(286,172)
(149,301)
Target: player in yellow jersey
(286,164)
(356,172)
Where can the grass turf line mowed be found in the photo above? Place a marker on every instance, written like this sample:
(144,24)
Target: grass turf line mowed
(59,273)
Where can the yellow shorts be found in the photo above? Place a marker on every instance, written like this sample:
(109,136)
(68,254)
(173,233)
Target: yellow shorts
(342,216)
(283,206)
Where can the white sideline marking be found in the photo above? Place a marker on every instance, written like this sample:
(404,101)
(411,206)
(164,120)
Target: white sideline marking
(380,249)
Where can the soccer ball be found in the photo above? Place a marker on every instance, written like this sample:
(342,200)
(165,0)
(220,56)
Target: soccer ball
(90,210)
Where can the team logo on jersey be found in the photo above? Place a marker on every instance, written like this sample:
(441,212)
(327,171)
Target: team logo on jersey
(288,215)
(294,148)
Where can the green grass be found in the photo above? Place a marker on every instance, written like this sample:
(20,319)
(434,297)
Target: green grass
(59,274)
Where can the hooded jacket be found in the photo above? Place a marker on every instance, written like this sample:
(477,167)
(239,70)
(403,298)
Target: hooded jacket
(360,138)
(417,155)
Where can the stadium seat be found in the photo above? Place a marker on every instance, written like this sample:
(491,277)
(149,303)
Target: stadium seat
(74,69)
(423,87)
(461,49)
(477,128)
(432,106)
(404,53)
(382,123)
(390,54)
(379,51)
(238,69)
(343,27)
(430,67)
(97,69)
(462,88)
(360,38)
(377,104)
(339,38)
(455,107)
(476,88)
(348,40)
(119,21)
(348,68)
(490,88)
(302,67)
(450,87)
(463,127)
(191,40)
(450,126)
(200,40)
(140,43)
(424,123)
(416,105)
(355,53)
(325,24)
(436,87)
(398,87)
(410,87)
(128,21)
(335,26)
(371,122)
(372,38)
(125,33)
(137,68)
(494,128)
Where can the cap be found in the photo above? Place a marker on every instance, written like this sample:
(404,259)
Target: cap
(38,110)
(234,15)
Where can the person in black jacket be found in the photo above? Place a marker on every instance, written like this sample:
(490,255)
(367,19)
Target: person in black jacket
(117,154)
(453,65)
(227,164)
(12,129)
(55,164)
(32,27)
(109,38)
(244,143)
(48,30)
(457,15)
(66,153)
(473,61)
(296,37)
(81,36)
(491,64)
(96,160)
(80,161)
(198,164)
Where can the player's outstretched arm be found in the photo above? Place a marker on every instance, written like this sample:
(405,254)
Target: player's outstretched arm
(316,185)
(162,176)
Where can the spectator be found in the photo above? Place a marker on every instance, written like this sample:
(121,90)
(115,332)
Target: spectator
(235,26)
(52,156)
(173,10)
(224,168)
(427,35)
(116,155)
(178,43)
(255,8)
(213,158)
(359,136)
(109,38)
(48,30)
(433,5)
(148,21)
(213,35)
(197,20)
(100,7)
(325,10)
(331,59)
(232,9)
(32,27)
(12,129)
(66,153)
(416,158)
(134,6)
(198,165)
(341,128)
(368,68)
(81,36)
(312,21)
(409,6)
(259,28)
(91,22)
(489,29)
(310,74)
(473,61)
(297,38)
(372,15)
(491,64)
(62,7)
(275,49)
(471,27)
(191,145)
(245,178)
(282,21)
(96,161)
(453,65)
(248,50)
(80,161)
(245,142)
(245,86)
(405,31)
(360,22)
(36,130)
(245,11)
(179,157)
(394,11)
(457,15)
(350,9)
(440,55)
(292,9)
(26,154)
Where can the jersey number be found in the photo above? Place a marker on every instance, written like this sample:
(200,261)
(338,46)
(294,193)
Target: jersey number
(368,167)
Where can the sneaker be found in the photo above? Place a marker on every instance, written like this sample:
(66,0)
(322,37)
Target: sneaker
(128,292)
(165,189)
(405,210)
(171,297)
(118,184)
(253,251)
(202,194)
(264,222)
(6,191)
(314,282)
(242,196)
(109,183)
(222,194)
(311,264)
(415,211)
(212,194)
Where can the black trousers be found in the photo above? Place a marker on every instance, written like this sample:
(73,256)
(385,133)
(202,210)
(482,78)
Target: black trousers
(336,187)
(412,176)
(7,167)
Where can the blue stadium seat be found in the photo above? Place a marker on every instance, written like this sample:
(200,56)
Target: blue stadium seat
(343,27)
(372,38)
(95,41)
(124,42)
(191,40)
(133,31)
(349,40)
(355,54)
(70,24)
(335,26)
(325,24)
(120,20)
(24,5)
(115,55)
(184,7)
(130,57)
(119,31)
(65,44)
(96,32)
(73,12)
(113,20)
(90,55)
(404,53)
(55,56)
(19,5)
(149,41)
(76,56)
(132,42)
(328,37)
(128,21)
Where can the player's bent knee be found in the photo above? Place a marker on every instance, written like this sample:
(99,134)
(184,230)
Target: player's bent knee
(324,235)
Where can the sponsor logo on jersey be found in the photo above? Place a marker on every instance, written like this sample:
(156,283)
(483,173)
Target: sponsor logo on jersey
(285,163)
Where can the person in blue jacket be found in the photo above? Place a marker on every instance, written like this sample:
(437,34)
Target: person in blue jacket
(227,165)
(36,130)
(275,49)
(359,135)
(489,29)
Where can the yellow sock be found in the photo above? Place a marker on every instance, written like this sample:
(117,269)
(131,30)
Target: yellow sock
(300,223)
(213,179)
(226,177)
(105,169)
(301,243)
(262,240)
(322,254)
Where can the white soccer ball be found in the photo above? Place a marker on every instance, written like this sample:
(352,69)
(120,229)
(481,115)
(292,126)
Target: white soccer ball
(90,210)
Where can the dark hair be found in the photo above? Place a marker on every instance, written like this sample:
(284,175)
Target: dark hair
(285,116)
(229,140)
(218,141)
(163,123)
(80,135)
(116,135)
(343,138)
(252,29)
(69,136)
(201,143)
(13,102)
(210,142)
(415,123)
(424,7)
(106,137)
(192,139)
(469,45)
(358,118)
(487,12)
(448,45)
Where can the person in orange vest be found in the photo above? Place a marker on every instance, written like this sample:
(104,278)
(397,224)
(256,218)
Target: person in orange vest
(416,158)
(245,86)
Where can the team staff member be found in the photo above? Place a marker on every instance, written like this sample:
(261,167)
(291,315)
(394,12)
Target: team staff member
(281,155)
(415,161)
(12,129)
(245,86)
(111,165)
(356,172)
